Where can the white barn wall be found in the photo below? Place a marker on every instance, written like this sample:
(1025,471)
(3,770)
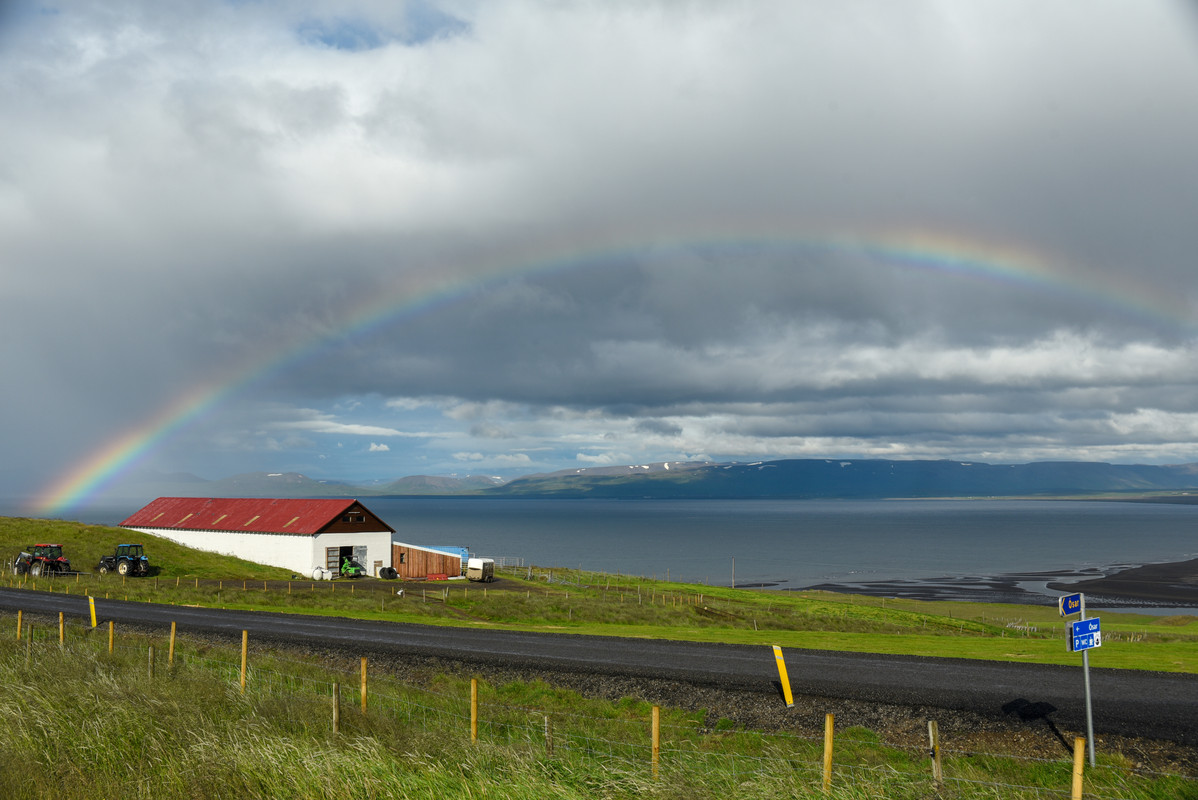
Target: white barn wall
(298,553)
(378,547)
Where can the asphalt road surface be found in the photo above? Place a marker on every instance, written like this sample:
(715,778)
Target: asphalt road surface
(1129,703)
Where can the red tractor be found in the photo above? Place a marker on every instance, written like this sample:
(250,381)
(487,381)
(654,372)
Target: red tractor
(41,559)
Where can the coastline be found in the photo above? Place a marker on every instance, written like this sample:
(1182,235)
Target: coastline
(1170,583)
(1165,585)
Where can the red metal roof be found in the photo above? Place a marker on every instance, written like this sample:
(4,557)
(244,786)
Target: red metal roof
(250,515)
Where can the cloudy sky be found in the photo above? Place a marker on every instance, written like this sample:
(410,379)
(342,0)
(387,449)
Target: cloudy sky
(361,240)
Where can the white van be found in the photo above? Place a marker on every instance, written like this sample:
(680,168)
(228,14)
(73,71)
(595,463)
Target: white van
(480,569)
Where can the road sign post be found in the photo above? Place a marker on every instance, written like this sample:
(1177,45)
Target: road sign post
(1084,635)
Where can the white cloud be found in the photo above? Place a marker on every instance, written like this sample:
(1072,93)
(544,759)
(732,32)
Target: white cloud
(379,448)
(313,421)
(340,428)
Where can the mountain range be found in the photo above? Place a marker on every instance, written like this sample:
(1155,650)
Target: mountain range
(790,478)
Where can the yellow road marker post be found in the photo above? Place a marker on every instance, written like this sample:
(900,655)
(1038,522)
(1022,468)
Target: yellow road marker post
(91,607)
(790,700)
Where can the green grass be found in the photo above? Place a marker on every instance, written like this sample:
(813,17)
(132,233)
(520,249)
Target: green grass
(84,544)
(79,722)
(601,604)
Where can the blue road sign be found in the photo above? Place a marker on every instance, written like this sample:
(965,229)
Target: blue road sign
(1070,604)
(1085,634)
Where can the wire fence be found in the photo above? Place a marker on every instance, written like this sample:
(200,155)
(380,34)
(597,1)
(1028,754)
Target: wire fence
(626,736)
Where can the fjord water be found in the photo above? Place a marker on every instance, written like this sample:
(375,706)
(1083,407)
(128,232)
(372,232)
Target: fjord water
(796,543)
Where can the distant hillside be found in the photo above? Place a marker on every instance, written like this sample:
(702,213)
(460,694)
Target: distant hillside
(437,485)
(805,478)
(853,479)
(293,484)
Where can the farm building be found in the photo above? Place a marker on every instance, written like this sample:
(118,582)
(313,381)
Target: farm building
(299,535)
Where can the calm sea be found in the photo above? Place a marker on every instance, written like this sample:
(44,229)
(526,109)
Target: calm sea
(795,543)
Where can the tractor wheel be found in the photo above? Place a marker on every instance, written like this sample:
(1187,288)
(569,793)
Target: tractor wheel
(123,568)
(102,569)
(35,569)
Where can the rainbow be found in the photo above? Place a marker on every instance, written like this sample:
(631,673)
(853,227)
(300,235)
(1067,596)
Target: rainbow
(911,250)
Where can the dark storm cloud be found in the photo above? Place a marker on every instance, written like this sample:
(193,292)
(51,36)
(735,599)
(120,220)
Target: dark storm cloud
(766,230)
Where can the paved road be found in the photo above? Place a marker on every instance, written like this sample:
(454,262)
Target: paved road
(1126,702)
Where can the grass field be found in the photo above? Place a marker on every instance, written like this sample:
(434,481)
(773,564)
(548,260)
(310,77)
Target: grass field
(85,723)
(573,601)
(80,722)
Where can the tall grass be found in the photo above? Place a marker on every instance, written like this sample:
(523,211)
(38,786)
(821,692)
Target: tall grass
(79,722)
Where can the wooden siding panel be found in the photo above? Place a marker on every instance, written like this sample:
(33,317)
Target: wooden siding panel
(415,563)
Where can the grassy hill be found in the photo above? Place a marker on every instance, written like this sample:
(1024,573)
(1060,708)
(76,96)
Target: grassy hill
(84,544)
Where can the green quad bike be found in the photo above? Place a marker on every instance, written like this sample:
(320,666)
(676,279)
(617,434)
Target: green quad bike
(129,559)
(351,569)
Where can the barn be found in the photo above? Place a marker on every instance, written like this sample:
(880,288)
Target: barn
(298,535)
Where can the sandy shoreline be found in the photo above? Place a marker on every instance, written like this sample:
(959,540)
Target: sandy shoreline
(1168,585)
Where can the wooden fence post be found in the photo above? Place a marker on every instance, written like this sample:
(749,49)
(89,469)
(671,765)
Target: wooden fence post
(111,636)
(336,708)
(62,629)
(19,614)
(150,663)
(655,757)
(363,684)
(170,658)
(1079,760)
(245,646)
(829,724)
(934,740)
(548,736)
(474,709)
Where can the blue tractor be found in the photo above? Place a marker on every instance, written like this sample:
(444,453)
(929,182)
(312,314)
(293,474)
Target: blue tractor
(127,560)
